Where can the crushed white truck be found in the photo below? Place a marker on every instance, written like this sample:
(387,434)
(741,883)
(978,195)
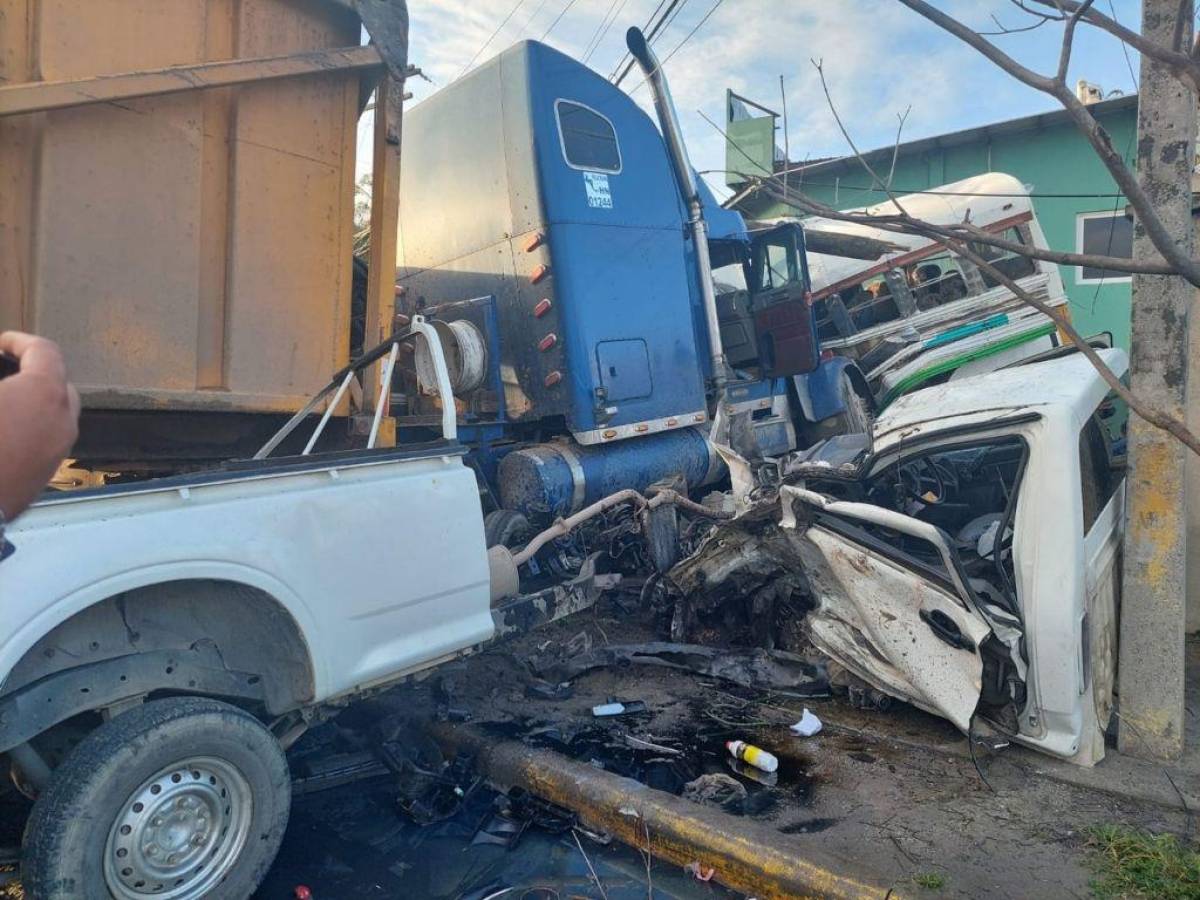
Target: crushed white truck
(966,558)
(164,641)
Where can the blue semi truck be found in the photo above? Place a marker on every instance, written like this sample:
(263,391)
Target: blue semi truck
(613,307)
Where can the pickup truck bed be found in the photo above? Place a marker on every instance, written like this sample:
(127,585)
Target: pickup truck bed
(372,562)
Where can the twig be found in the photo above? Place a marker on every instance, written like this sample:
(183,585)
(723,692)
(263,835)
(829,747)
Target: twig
(896,146)
(1157,232)
(595,877)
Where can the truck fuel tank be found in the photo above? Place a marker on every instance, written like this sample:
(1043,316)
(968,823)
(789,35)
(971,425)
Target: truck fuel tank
(562,476)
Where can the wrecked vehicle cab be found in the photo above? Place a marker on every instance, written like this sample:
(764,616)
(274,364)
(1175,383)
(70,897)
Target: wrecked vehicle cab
(965,560)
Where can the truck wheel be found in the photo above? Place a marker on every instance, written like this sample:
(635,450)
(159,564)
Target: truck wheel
(181,798)
(505,528)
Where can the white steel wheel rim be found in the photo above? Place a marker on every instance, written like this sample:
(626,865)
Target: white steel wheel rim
(180,832)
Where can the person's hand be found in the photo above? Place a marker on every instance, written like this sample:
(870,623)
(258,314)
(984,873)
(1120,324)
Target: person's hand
(39,419)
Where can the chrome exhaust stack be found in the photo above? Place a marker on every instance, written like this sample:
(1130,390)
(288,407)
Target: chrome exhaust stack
(686,179)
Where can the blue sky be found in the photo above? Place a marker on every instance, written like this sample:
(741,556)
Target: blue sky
(879,58)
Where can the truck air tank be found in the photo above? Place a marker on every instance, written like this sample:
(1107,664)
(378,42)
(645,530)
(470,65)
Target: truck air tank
(563,476)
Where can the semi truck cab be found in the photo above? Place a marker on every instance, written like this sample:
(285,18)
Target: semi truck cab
(572,243)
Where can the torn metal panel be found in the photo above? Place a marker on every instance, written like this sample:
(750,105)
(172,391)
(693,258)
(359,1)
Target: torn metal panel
(528,611)
(873,618)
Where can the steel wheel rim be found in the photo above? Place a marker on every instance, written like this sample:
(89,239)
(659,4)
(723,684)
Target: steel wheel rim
(180,832)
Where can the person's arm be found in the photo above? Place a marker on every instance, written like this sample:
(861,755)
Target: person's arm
(39,416)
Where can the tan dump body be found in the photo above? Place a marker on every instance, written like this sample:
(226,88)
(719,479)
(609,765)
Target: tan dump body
(190,250)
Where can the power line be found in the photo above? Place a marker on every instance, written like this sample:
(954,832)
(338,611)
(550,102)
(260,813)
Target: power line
(616,68)
(679,46)
(669,20)
(1128,148)
(602,28)
(491,37)
(537,12)
(557,19)
(651,31)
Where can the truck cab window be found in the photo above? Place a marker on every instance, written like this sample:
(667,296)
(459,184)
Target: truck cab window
(776,262)
(589,140)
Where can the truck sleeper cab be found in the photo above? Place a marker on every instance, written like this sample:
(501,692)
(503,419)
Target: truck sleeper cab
(559,236)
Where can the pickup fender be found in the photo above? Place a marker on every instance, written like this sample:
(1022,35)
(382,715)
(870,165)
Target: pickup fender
(820,393)
(62,609)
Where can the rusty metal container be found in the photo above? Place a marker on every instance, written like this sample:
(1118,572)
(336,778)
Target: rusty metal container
(188,245)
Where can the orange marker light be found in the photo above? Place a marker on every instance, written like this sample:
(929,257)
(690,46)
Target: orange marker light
(547,342)
(543,307)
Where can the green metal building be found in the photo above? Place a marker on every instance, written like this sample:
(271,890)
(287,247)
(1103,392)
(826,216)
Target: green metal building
(1075,198)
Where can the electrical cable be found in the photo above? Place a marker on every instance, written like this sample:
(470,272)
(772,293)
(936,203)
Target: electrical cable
(652,32)
(1117,204)
(679,46)
(512,12)
(557,19)
(602,29)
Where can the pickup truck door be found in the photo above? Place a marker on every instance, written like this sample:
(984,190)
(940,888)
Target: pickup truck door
(890,619)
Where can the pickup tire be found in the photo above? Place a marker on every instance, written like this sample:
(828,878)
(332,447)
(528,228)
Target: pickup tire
(181,798)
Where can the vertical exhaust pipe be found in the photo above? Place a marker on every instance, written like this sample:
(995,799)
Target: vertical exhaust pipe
(686,179)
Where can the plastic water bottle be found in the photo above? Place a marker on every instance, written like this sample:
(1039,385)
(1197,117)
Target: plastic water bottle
(755,756)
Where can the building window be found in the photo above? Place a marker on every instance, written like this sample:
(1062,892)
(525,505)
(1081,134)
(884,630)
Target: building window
(589,140)
(1105,234)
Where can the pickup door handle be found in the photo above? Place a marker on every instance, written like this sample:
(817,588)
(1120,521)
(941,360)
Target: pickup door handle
(946,629)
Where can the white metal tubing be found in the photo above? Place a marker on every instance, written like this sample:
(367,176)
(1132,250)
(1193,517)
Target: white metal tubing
(445,393)
(337,398)
(385,385)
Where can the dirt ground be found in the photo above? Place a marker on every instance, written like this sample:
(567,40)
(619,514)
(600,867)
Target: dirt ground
(897,787)
(894,791)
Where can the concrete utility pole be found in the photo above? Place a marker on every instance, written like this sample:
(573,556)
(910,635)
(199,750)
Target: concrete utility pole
(1153,594)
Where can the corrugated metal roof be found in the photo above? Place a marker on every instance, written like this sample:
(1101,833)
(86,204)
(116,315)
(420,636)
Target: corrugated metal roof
(1033,122)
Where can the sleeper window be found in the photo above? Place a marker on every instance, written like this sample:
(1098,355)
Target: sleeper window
(588,139)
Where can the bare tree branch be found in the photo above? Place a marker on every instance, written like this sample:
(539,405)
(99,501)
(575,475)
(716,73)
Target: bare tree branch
(1154,416)
(896,146)
(904,224)
(1126,180)
(975,234)
(1068,41)
(1183,63)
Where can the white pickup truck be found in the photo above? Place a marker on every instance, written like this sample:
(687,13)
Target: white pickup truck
(163,641)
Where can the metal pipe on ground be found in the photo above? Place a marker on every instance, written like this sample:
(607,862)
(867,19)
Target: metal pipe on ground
(745,855)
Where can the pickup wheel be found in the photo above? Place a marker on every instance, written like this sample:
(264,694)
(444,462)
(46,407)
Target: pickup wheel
(181,798)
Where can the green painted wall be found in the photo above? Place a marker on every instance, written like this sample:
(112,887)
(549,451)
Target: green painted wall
(1053,159)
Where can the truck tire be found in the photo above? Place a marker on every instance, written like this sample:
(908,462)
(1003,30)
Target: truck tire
(180,798)
(506,528)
